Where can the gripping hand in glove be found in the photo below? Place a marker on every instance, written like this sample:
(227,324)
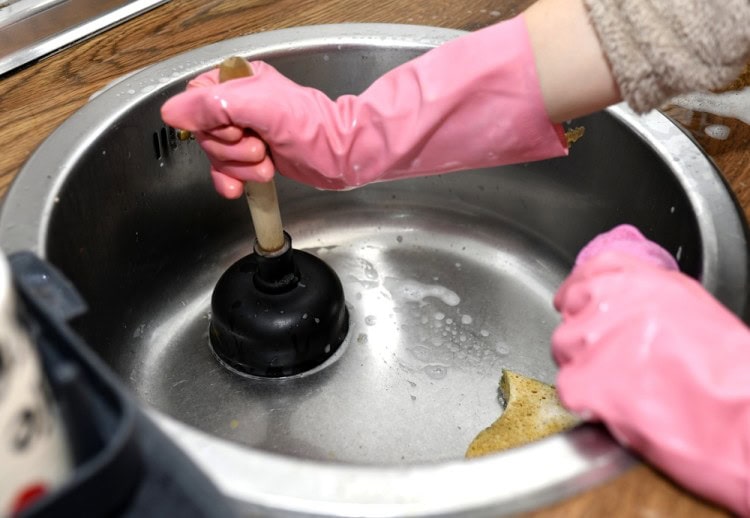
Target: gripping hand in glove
(472,102)
(651,354)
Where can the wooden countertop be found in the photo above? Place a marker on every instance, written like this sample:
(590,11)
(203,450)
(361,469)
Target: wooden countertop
(35,100)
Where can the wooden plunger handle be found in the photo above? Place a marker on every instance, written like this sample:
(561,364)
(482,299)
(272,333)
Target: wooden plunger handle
(261,196)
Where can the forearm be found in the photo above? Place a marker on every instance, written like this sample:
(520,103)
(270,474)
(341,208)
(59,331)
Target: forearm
(574,74)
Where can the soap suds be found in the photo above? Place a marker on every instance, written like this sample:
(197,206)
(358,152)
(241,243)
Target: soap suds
(735,104)
(717,131)
(415,291)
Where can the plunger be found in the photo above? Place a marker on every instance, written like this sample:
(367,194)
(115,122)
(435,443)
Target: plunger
(278,311)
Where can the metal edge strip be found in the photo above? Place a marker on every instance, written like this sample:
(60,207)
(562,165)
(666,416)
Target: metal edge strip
(76,33)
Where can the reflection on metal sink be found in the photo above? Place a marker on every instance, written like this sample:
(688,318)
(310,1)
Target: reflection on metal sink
(448,279)
(31,29)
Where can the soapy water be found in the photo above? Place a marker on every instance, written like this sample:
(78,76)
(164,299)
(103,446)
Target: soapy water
(733,104)
(413,291)
(435,334)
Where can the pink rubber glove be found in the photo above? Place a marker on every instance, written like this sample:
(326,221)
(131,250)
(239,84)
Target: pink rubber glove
(651,354)
(472,102)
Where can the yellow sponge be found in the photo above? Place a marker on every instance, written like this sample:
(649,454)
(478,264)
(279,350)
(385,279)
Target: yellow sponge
(532,411)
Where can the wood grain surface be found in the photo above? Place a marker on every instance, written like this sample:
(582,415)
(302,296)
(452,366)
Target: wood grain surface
(36,99)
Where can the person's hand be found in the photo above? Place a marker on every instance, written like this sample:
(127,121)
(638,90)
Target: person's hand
(650,353)
(472,102)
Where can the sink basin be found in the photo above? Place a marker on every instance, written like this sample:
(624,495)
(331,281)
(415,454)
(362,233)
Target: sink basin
(448,279)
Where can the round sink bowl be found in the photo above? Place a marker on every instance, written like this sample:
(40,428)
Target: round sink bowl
(448,279)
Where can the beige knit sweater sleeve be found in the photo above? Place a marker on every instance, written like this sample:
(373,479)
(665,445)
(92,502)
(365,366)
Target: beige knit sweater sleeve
(661,48)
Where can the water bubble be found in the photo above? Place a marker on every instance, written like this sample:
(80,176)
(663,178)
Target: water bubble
(436,372)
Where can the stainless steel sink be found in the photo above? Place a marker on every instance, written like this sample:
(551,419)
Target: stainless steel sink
(448,279)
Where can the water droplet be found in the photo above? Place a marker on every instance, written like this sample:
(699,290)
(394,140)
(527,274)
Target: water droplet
(436,372)
(139,331)
(370,320)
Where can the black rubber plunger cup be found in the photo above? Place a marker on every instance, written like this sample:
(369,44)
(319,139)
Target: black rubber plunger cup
(277,315)
(278,311)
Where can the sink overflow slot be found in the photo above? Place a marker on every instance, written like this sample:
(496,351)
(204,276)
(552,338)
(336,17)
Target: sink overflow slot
(164,140)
